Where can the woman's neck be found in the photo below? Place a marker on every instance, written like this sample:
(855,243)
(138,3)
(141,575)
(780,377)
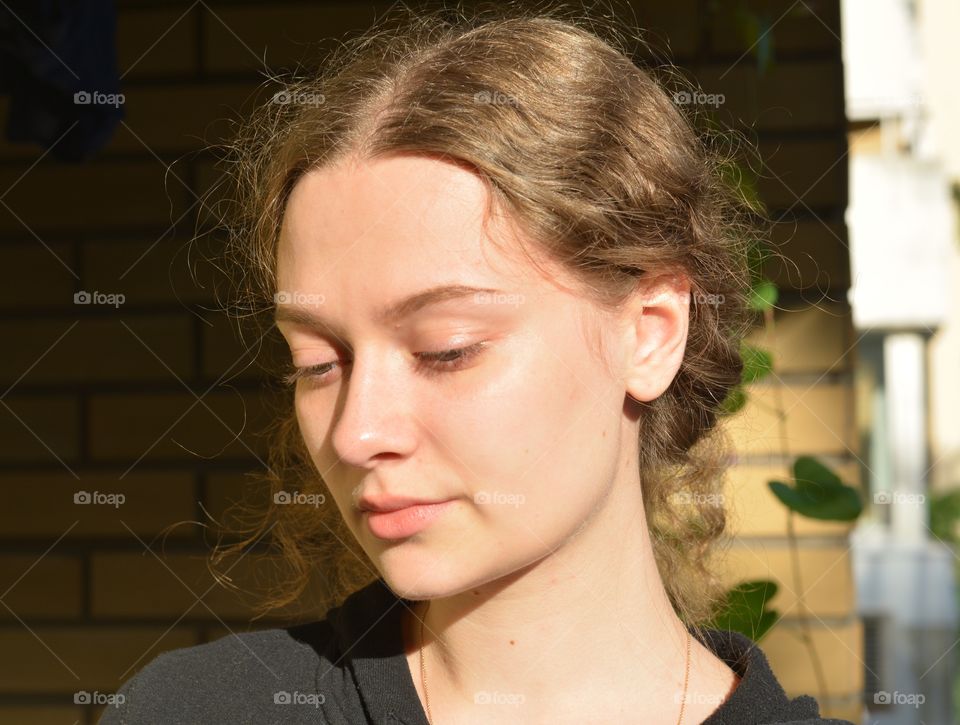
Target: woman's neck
(585,632)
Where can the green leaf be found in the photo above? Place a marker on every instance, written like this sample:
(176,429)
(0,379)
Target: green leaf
(744,609)
(734,401)
(743,179)
(763,295)
(818,493)
(757,363)
(945,516)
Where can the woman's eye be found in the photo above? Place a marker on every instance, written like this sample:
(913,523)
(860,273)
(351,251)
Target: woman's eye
(430,363)
(294,373)
(447,360)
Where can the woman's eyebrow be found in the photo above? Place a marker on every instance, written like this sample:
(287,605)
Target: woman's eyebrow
(390,313)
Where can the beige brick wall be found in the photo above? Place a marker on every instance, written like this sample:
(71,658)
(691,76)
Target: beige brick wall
(97,399)
(814,356)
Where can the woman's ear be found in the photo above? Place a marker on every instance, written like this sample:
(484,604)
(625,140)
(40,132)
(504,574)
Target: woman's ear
(655,324)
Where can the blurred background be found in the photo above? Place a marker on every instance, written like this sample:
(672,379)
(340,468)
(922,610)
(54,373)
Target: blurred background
(132,413)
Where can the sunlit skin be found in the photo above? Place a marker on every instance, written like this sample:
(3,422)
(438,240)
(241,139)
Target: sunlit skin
(551,591)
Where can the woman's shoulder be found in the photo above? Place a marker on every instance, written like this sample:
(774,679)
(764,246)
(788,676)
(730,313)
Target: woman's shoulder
(261,676)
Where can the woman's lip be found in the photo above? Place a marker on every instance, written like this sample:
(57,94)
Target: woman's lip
(404,522)
(383,504)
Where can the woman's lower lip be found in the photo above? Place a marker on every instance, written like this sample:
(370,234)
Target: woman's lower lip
(406,521)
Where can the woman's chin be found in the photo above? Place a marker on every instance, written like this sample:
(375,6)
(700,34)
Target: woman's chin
(419,578)
(415,588)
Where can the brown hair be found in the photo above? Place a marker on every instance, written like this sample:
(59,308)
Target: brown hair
(587,152)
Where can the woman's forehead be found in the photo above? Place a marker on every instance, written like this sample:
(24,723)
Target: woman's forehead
(391,214)
(392,208)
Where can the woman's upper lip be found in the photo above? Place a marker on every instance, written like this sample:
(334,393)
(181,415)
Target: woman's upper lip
(393,503)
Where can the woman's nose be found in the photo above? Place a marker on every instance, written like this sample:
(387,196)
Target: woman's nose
(373,415)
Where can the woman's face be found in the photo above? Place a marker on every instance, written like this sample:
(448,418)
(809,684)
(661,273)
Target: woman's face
(524,437)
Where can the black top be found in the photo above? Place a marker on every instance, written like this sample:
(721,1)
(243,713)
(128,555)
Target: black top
(350,668)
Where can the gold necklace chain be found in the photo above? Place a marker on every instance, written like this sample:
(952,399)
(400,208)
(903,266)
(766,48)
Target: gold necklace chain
(426,695)
(686,677)
(423,667)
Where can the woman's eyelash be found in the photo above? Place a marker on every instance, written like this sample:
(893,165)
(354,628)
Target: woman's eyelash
(430,363)
(293,373)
